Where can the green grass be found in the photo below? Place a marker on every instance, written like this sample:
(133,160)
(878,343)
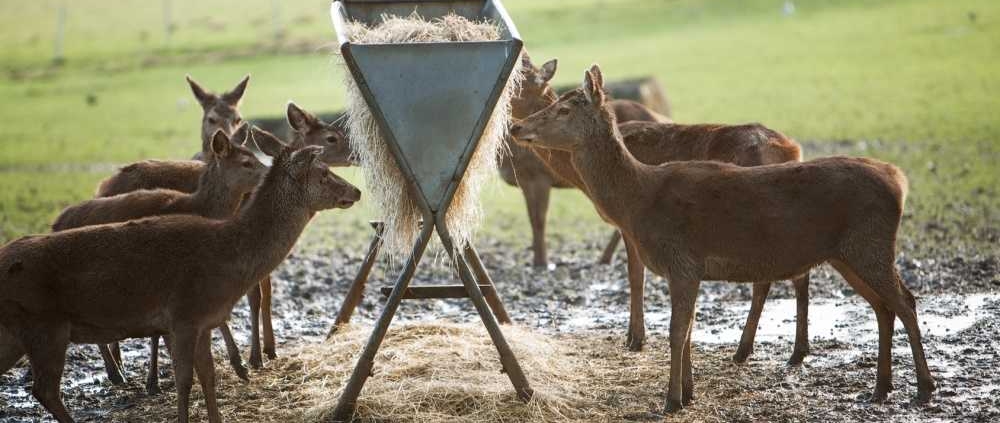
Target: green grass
(918,75)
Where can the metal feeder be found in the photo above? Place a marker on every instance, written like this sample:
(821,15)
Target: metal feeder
(432,102)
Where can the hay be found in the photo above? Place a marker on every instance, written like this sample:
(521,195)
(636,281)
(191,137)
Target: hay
(435,373)
(385,183)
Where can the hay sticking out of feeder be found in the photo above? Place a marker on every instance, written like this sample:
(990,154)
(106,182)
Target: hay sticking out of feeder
(385,183)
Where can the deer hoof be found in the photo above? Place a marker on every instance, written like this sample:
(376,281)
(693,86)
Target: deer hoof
(925,390)
(269,352)
(742,354)
(634,342)
(798,356)
(255,361)
(153,388)
(673,406)
(241,371)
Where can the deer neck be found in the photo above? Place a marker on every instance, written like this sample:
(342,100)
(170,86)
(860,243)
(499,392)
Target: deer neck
(610,174)
(265,230)
(214,198)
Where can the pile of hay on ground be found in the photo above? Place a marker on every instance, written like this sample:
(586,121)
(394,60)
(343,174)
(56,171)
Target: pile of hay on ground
(430,373)
(384,181)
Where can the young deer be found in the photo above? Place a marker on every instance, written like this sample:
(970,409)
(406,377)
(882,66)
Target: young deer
(690,221)
(220,113)
(655,143)
(176,275)
(182,175)
(231,173)
(523,169)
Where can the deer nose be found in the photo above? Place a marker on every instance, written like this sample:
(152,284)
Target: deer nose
(357,194)
(516,129)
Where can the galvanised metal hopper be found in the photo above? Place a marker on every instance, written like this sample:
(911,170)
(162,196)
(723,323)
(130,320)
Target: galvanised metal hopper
(432,102)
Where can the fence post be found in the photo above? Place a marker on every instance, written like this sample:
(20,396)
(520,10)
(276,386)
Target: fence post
(58,57)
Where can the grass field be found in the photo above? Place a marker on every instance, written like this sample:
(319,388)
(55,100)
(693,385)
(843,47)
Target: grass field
(911,81)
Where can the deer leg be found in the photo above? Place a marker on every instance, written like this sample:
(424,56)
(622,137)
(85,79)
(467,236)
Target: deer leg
(184,342)
(116,352)
(265,312)
(875,276)
(536,195)
(801,285)
(688,392)
(47,355)
(636,336)
(253,299)
(206,375)
(111,366)
(233,352)
(10,351)
(886,327)
(760,291)
(683,294)
(609,250)
(153,372)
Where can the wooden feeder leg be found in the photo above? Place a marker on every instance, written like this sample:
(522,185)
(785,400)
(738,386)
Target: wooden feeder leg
(492,298)
(362,370)
(507,359)
(357,290)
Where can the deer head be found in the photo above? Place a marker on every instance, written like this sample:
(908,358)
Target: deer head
(232,164)
(310,130)
(220,112)
(305,177)
(535,93)
(576,116)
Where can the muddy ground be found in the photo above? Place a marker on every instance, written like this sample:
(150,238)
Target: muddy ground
(959,306)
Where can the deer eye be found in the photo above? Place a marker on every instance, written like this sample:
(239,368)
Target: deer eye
(213,121)
(331,139)
(248,165)
(562,111)
(237,121)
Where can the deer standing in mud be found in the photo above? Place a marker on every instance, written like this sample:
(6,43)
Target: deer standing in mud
(523,169)
(697,220)
(176,275)
(182,175)
(230,174)
(655,143)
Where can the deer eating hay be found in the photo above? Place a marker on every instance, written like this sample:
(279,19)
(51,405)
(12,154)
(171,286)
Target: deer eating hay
(691,221)
(385,181)
(177,275)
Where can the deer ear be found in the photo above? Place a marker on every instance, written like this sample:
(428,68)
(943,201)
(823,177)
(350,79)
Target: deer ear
(220,144)
(266,142)
(300,120)
(304,157)
(549,69)
(233,96)
(592,89)
(242,134)
(204,98)
(598,76)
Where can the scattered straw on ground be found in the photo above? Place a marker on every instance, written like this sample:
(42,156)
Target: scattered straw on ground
(385,183)
(451,373)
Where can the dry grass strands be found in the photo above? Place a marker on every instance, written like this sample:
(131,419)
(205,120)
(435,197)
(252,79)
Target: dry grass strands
(435,373)
(385,183)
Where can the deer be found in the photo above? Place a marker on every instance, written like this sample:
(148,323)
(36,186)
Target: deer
(523,169)
(696,220)
(220,112)
(183,175)
(232,171)
(659,142)
(177,276)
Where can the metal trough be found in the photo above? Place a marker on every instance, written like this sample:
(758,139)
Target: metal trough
(432,102)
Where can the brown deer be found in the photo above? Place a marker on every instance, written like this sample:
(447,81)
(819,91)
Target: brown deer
(182,175)
(697,220)
(521,168)
(220,112)
(655,143)
(176,275)
(231,172)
